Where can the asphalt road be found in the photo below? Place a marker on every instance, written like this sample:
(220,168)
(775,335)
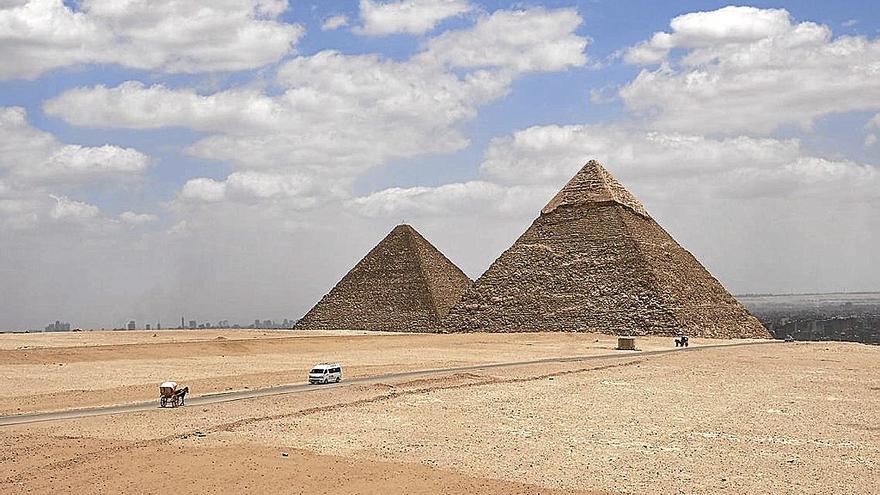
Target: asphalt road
(216,398)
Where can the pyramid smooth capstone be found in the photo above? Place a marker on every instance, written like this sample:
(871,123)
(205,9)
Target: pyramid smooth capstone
(595,261)
(402,284)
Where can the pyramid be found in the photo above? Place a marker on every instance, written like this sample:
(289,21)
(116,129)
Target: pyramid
(402,284)
(595,261)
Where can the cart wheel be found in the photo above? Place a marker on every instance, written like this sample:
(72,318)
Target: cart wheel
(338,378)
(163,401)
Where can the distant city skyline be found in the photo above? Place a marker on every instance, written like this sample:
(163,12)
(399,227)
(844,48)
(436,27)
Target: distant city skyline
(61,326)
(142,178)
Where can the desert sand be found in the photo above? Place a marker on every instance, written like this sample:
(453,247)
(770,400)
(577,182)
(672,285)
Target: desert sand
(768,418)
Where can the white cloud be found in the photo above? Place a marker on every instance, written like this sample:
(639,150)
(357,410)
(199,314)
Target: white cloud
(176,36)
(524,170)
(204,190)
(135,106)
(452,199)
(263,185)
(248,186)
(870,140)
(33,156)
(132,218)
(337,108)
(18,213)
(528,40)
(334,22)
(874,122)
(336,115)
(740,25)
(678,167)
(66,209)
(748,70)
(407,16)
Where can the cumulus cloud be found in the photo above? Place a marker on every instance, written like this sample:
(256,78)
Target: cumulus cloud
(66,209)
(452,199)
(678,167)
(248,186)
(525,169)
(407,16)
(175,36)
(749,70)
(334,22)
(133,105)
(522,41)
(29,155)
(16,213)
(204,190)
(335,115)
(347,112)
(132,218)
(728,25)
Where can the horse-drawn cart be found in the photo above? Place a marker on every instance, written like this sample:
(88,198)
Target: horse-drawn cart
(169,394)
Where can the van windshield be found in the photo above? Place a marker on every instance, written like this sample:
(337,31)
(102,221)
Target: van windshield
(317,371)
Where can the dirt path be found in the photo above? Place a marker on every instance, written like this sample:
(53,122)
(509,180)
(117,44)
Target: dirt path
(303,388)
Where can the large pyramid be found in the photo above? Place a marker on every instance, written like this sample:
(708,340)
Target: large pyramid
(402,284)
(595,261)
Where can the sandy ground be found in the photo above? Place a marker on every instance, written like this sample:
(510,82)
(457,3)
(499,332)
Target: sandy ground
(775,418)
(103,368)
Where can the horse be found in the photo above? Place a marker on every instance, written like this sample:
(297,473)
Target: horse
(181,394)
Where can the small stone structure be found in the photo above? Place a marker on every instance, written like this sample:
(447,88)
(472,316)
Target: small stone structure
(595,261)
(402,284)
(626,343)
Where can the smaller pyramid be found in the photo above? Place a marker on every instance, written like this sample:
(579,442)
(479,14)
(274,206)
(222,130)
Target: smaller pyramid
(402,284)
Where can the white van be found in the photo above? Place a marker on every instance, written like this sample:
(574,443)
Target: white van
(325,373)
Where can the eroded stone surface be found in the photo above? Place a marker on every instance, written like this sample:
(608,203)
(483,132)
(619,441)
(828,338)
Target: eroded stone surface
(594,260)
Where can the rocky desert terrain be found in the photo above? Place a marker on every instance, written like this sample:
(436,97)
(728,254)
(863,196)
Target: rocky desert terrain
(768,417)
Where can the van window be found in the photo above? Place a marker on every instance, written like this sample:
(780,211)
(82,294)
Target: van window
(336,370)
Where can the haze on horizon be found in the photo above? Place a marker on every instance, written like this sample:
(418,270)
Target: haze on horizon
(238,169)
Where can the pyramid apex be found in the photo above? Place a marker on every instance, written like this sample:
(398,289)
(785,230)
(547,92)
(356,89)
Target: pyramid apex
(403,228)
(594,184)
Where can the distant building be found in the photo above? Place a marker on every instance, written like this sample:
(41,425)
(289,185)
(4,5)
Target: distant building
(159,325)
(147,327)
(192,324)
(182,325)
(131,325)
(223,324)
(58,326)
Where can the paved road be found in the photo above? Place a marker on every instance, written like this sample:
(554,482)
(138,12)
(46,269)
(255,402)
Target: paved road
(304,387)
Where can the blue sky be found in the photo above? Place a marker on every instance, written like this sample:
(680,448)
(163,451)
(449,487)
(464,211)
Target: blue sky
(231,160)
